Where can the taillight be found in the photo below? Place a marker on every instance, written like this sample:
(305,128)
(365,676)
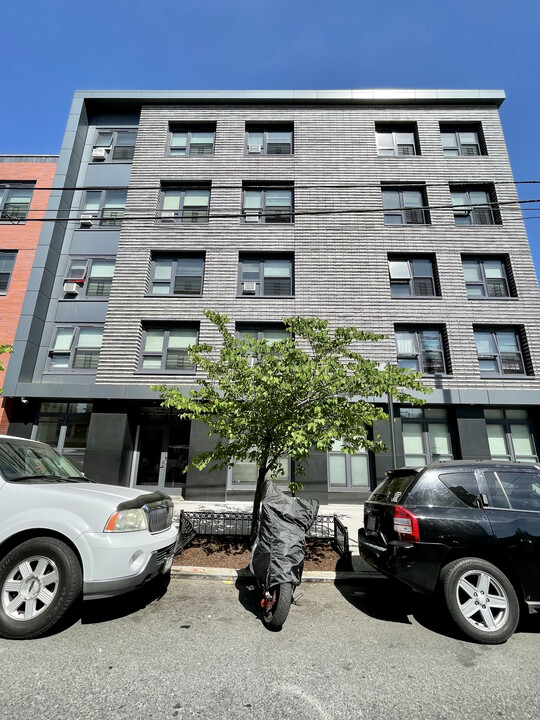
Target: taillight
(406,524)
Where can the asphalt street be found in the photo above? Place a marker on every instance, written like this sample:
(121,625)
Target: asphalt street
(201,651)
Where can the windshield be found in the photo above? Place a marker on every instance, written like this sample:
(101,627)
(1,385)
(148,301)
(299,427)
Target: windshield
(25,460)
(392,488)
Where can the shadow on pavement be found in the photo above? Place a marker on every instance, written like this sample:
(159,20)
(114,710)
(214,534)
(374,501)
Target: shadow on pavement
(249,596)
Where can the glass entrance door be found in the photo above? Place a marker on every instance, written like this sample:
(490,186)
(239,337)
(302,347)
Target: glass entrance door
(162,454)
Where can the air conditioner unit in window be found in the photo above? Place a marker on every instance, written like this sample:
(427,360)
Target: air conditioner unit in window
(168,214)
(252,216)
(71,287)
(254,149)
(87,219)
(249,288)
(100,153)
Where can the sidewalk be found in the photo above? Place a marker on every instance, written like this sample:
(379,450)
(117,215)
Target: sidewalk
(352,516)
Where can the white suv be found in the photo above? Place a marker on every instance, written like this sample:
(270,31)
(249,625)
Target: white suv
(61,534)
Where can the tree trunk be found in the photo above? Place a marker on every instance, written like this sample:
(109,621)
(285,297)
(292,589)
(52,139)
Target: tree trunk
(257,505)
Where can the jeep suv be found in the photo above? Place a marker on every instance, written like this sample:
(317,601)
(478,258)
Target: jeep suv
(470,529)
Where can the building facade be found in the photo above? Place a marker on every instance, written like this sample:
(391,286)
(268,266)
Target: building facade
(394,211)
(25,182)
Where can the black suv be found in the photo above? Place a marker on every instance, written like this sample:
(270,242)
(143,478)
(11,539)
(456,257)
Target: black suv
(471,529)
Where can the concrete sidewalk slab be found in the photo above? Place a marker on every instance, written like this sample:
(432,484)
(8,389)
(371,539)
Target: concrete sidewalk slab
(245,574)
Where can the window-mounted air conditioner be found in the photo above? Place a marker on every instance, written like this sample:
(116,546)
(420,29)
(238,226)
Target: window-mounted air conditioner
(168,214)
(71,287)
(100,153)
(249,288)
(87,219)
(252,216)
(254,149)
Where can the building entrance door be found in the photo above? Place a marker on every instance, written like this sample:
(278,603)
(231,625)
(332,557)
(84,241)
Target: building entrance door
(162,452)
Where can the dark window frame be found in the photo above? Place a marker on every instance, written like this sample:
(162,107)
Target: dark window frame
(410,282)
(263,216)
(19,214)
(114,144)
(413,215)
(190,129)
(395,129)
(5,276)
(266,128)
(262,258)
(96,217)
(484,214)
(260,328)
(199,217)
(449,128)
(84,281)
(175,258)
(419,354)
(484,281)
(506,423)
(425,422)
(71,352)
(521,343)
(166,328)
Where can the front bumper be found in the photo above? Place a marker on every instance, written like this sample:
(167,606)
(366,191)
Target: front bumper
(123,563)
(416,564)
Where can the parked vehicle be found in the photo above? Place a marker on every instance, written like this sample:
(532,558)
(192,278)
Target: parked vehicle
(277,558)
(62,535)
(468,529)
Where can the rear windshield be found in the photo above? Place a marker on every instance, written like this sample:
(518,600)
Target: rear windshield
(27,461)
(393,487)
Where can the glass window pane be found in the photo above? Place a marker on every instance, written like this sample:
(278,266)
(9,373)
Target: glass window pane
(104,139)
(493,413)
(478,197)
(449,140)
(53,407)
(277,268)
(244,473)
(171,199)
(279,137)
(412,198)
(390,200)
(102,269)
(90,338)
(273,336)
(196,198)
(59,361)
(179,140)
(253,199)
(161,288)
(522,441)
(430,340)
(115,199)
(493,269)
(49,430)
(163,269)
(278,198)
(413,442)
(475,291)
(359,471)
(408,363)
(250,269)
(468,138)
(435,413)
(126,138)
(507,341)
(189,266)
(421,267)
(77,270)
(182,338)
(485,344)
(399,269)
(403,138)
(459,198)
(406,342)
(154,340)
(406,412)
(337,470)
(471,271)
(497,440)
(91,201)
(255,138)
(202,138)
(385,141)
(63,339)
(517,414)
(151,363)
(439,439)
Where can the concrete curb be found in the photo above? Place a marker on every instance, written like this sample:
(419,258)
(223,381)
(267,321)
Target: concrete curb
(245,575)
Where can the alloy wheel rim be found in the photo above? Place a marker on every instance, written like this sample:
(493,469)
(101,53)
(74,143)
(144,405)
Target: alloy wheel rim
(30,588)
(482,600)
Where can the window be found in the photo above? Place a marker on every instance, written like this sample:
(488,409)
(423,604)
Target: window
(272,332)
(426,436)
(267,276)
(403,206)
(192,141)
(75,348)
(114,146)
(107,206)
(499,352)
(514,489)
(15,202)
(64,426)
(269,140)
(510,435)
(396,139)
(474,206)
(485,277)
(347,472)
(421,350)
(181,275)
(185,205)
(89,277)
(7,262)
(411,276)
(462,140)
(269,205)
(243,474)
(165,349)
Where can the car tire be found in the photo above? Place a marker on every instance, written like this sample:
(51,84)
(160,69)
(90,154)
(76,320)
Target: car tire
(39,581)
(481,600)
(275,617)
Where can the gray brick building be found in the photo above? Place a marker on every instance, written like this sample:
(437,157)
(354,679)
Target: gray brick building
(394,211)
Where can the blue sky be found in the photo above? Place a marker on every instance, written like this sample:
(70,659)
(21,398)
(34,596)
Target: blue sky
(58,46)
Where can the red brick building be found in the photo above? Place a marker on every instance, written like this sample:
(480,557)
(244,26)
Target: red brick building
(22,204)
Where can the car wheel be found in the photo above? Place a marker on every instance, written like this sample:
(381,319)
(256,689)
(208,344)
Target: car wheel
(39,580)
(481,600)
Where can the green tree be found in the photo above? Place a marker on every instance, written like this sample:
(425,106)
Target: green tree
(4,350)
(267,399)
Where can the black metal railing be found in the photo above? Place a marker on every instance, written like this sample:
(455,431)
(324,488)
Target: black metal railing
(210,523)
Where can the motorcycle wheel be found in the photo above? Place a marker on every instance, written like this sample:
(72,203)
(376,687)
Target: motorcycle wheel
(275,616)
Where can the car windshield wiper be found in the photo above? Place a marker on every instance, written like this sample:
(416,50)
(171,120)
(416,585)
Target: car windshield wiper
(52,478)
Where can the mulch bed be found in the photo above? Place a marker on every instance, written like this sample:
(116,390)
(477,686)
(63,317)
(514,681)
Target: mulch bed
(234,553)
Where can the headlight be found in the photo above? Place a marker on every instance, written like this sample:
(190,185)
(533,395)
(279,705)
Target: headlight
(127,521)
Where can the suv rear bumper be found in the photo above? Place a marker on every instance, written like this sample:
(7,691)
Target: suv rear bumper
(416,564)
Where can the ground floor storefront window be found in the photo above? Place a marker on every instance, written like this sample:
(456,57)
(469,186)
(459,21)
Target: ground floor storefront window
(64,426)
(426,435)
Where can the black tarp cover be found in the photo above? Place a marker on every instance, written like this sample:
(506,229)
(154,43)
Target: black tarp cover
(278,553)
